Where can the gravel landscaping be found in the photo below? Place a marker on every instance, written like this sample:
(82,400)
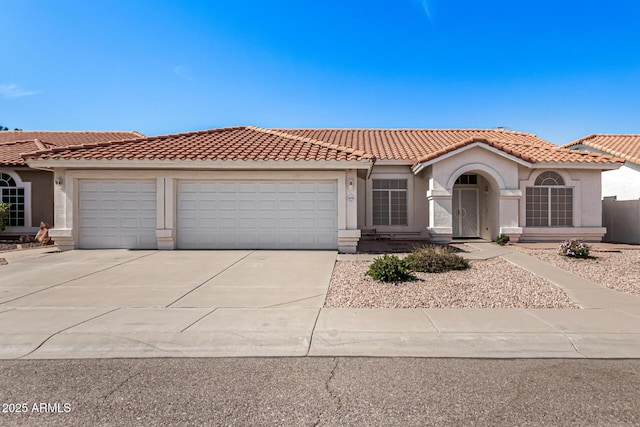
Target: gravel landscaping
(493,283)
(615,270)
(6,246)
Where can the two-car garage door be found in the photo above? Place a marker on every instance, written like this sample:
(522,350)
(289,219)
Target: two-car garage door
(257,215)
(211,214)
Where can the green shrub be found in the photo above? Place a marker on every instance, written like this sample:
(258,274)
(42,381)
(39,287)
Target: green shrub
(4,214)
(436,259)
(502,239)
(389,268)
(574,248)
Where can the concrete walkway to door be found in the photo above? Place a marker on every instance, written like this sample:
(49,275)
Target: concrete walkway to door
(117,303)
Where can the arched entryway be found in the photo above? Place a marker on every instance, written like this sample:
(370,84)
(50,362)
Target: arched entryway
(475,203)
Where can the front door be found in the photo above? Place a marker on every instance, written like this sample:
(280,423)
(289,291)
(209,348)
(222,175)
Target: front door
(465,212)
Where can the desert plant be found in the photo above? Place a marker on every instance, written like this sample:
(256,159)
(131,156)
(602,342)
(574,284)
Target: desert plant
(389,268)
(4,214)
(502,239)
(574,248)
(436,259)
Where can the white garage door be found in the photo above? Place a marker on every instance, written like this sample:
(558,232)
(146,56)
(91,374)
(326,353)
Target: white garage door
(257,215)
(117,214)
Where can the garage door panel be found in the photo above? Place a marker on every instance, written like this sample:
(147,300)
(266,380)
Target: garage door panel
(258,215)
(117,214)
(326,188)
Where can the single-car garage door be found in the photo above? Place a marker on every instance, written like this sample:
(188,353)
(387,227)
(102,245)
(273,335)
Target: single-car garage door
(117,214)
(257,215)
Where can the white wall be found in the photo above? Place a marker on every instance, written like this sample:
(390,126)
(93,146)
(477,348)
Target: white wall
(623,183)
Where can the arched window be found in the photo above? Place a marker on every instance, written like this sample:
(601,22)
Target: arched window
(549,202)
(549,179)
(13,195)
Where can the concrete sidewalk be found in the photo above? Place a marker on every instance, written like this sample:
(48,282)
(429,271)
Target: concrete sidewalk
(85,304)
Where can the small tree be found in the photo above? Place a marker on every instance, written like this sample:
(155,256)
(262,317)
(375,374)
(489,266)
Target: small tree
(4,214)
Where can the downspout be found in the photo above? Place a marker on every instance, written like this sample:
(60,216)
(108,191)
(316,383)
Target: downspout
(373,162)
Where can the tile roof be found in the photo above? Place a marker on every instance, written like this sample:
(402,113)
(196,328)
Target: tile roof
(236,143)
(15,143)
(252,143)
(422,145)
(626,146)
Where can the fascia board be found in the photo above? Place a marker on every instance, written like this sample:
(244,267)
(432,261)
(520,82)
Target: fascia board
(198,164)
(576,165)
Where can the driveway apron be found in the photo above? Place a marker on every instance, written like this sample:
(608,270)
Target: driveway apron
(117,303)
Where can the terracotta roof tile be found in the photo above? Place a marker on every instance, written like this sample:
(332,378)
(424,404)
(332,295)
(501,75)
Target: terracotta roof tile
(237,143)
(625,146)
(253,143)
(15,143)
(421,145)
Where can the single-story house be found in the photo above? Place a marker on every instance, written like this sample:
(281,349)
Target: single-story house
(30,191)
(620,187)
(248,187)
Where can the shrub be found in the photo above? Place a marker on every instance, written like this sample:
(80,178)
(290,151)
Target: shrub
(574,248)
(502,239)
(436,259)
(4,214)
(389,268)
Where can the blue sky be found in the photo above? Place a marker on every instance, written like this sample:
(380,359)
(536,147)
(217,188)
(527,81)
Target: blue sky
(559,69)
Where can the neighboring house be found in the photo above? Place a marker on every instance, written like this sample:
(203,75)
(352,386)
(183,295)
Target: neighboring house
(30,191)
(620,187)
(248,187)
(623,183)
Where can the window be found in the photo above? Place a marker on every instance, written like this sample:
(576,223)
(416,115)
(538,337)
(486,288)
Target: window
(10,193)
(549,202)
(469,179)
(390,202)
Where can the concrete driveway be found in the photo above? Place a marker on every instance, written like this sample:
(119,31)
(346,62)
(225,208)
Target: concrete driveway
(118,303)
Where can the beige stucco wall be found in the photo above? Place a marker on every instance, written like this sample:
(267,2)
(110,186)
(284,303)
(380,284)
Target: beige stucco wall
(497,187)
(418,215)
(66,198)
(41,194)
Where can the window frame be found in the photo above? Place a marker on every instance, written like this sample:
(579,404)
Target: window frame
(25,188)
(409,202)
(539,187)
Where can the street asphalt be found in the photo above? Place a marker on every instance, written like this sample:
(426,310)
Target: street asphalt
(320,392)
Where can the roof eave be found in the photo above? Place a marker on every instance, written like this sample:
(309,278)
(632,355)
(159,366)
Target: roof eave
(577,165)
(419,166)
(364,164)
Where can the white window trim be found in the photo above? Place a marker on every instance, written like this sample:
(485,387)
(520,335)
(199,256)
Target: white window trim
(27,228)
(568,183)
(369,192)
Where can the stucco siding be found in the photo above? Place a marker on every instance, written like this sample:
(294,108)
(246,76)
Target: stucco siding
(41,194)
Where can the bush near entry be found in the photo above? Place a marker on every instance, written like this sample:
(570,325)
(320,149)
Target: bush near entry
(389,268)
(436,259)
(429,259)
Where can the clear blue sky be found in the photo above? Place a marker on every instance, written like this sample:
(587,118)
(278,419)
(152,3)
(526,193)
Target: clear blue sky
(559,69)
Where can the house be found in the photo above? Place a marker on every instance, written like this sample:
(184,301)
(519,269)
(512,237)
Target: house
(249,187)
(620,187)
(621,183)
(30,191)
